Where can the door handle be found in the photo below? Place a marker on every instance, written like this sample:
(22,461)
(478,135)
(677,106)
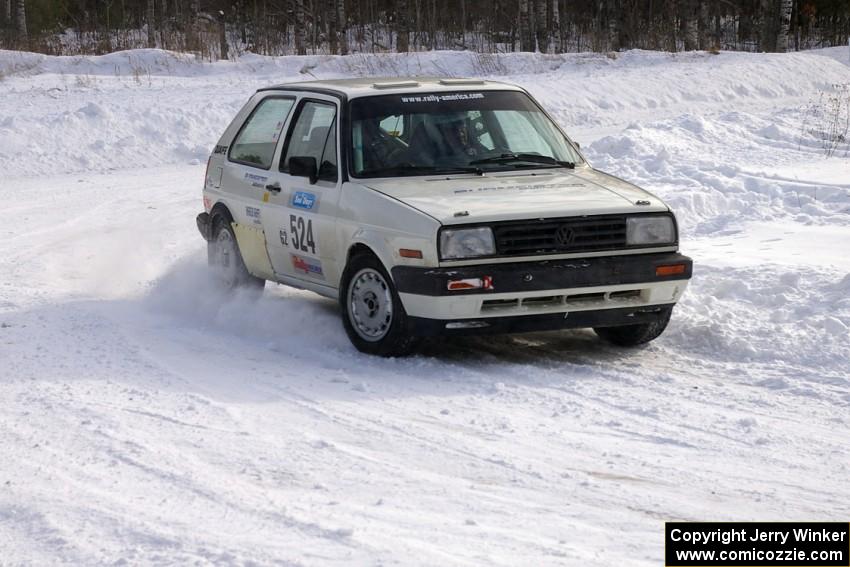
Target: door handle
(273,187)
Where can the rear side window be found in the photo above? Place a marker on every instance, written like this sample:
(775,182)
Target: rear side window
(256,141)
(314,135)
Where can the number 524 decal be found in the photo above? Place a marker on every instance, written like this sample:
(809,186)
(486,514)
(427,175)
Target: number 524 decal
(302,234)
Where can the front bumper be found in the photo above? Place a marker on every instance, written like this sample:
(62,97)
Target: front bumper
(586,292)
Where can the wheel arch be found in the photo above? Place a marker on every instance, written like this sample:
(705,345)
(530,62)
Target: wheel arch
(366,246)
(220,209)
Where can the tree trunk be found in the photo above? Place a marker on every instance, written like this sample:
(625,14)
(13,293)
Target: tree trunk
(690,17)
(784,24)
(342,26)
(463,23)
(540,25)
(769,20)
(194,36)
(151,13)
(333,45)
(526,39)
(703,24)
(402,33)
(7,12)
(222,38)
(555,27)
(163,24)
(613,13)
(672,39)
(300,28)
(21,20)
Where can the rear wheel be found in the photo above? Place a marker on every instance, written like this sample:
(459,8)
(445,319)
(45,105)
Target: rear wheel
(224,258)
(372,313)
(633,335)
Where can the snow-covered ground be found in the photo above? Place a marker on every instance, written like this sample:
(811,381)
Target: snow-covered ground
(146,419)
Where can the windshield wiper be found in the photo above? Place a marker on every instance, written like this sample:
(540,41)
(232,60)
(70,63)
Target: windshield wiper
(419,170)
(532,158)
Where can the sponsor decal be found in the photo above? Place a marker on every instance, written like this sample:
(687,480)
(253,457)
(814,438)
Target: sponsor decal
(304,200)
(253,213)
(442,98)
(220,150)
(207,203)
(309,266)
(532,187)
(266,197)
(284,238)
(256,180)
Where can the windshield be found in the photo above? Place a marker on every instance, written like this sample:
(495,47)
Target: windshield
(431,133)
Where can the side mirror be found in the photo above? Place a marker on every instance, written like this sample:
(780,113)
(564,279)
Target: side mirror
(304,166)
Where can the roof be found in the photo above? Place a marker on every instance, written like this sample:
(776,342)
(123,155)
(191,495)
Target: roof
(367,86)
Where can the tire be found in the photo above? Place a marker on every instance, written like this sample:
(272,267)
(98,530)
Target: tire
(372,313)
(226,261)
(634,335)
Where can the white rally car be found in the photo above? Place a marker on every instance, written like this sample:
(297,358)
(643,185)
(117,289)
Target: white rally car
(435,207)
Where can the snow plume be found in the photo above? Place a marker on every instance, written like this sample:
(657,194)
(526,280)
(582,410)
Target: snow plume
(282,320)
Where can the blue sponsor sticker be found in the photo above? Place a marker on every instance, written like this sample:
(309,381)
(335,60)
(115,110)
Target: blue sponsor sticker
(304,200)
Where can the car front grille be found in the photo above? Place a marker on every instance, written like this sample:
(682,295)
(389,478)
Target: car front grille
(557,236)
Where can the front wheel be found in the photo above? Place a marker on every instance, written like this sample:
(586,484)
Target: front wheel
(372,313)
(633,335)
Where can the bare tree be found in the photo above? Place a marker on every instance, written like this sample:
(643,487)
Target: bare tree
(300,28)
(690,24)
(151,12)
(163,24)
(703,24)
(613,13)
(222,36)
(555,27)
(193,39)
(342,26)
(540,25)
(526,39)
(402,31)
(21,20)
(768,25)
(672,38)
(784,25)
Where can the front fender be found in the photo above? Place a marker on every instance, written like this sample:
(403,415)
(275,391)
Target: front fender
(385,226)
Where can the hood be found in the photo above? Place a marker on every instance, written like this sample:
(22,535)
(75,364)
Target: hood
(518,195)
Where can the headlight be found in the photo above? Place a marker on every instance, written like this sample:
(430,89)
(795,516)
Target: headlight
(466,243)
(651,230)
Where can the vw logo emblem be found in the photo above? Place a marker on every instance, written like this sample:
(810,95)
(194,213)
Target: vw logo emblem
(564,236)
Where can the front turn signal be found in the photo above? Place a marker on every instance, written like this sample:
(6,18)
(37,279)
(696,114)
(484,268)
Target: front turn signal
(671,270)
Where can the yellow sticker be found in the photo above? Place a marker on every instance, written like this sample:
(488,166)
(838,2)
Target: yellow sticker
(266,197)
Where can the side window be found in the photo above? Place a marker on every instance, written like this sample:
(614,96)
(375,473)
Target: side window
(314,135)
(256,142)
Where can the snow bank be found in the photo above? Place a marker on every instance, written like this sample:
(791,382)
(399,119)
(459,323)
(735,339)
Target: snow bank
(149,108)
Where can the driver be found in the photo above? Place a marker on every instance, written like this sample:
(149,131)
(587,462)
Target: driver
(459,139)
